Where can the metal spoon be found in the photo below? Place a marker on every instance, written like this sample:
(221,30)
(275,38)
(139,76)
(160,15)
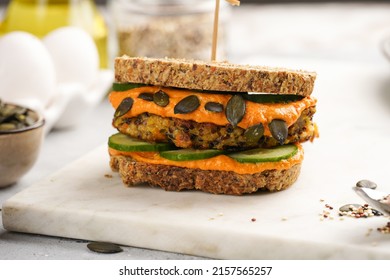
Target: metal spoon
(379,200)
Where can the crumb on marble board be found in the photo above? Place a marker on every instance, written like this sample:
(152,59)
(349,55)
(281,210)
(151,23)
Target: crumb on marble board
(369,231)
(327,212)
(385,229)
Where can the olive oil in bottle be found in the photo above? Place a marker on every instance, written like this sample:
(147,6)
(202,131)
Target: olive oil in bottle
(39,17)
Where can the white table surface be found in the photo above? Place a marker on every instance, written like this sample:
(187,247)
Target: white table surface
(343,33)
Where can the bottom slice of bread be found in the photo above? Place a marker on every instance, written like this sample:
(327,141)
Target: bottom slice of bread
(173,178)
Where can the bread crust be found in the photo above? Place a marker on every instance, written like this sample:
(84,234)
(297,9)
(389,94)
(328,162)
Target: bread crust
(173,178)
(214,76)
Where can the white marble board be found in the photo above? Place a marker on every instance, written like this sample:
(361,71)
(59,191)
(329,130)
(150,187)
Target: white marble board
(81,202)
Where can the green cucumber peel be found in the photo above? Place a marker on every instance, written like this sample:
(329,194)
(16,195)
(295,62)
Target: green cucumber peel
(126,86)
(190,154)
(265,155)
(124,143)
(272,98)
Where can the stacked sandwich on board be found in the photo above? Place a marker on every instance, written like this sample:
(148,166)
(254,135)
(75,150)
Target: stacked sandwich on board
(215,127)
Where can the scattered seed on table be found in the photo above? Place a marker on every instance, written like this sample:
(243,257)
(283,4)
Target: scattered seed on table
(385,229)
(358,211)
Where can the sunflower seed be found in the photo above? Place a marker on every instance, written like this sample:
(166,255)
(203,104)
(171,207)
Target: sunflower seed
(279,130)
(104,247)
(124,107)
(187,105)
(235,109)
(214,107)
(161,98)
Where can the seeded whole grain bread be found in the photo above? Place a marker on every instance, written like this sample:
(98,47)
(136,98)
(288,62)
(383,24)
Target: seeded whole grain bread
(215,76)
(173,178)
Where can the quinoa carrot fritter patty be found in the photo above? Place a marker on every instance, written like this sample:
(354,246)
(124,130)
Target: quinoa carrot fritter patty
(190,134)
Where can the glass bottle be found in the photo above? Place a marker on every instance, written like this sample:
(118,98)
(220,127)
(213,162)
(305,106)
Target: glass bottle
(39,17)
(167,28)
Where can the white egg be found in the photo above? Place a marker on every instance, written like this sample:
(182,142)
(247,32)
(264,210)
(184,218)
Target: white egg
(74,54)
(26,69)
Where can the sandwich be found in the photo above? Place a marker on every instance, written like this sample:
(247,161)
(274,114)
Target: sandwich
(216,127)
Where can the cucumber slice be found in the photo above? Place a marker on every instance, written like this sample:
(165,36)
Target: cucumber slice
(125,143)
(126,86)
(190,154)
(272,98)
(265,155)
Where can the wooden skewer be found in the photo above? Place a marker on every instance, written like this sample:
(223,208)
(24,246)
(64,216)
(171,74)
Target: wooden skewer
(234,2)
(215,32)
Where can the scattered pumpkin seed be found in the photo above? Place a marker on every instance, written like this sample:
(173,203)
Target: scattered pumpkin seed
(146,96)
(124,107)
(235,109)
(279,130)
(104,247)
(187,105)
(214,107)
(254,133)
(366,184)
(161,98)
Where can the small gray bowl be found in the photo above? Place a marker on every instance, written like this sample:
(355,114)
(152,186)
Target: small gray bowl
(19,148)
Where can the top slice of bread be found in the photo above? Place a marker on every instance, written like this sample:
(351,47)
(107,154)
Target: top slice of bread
(213,76)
